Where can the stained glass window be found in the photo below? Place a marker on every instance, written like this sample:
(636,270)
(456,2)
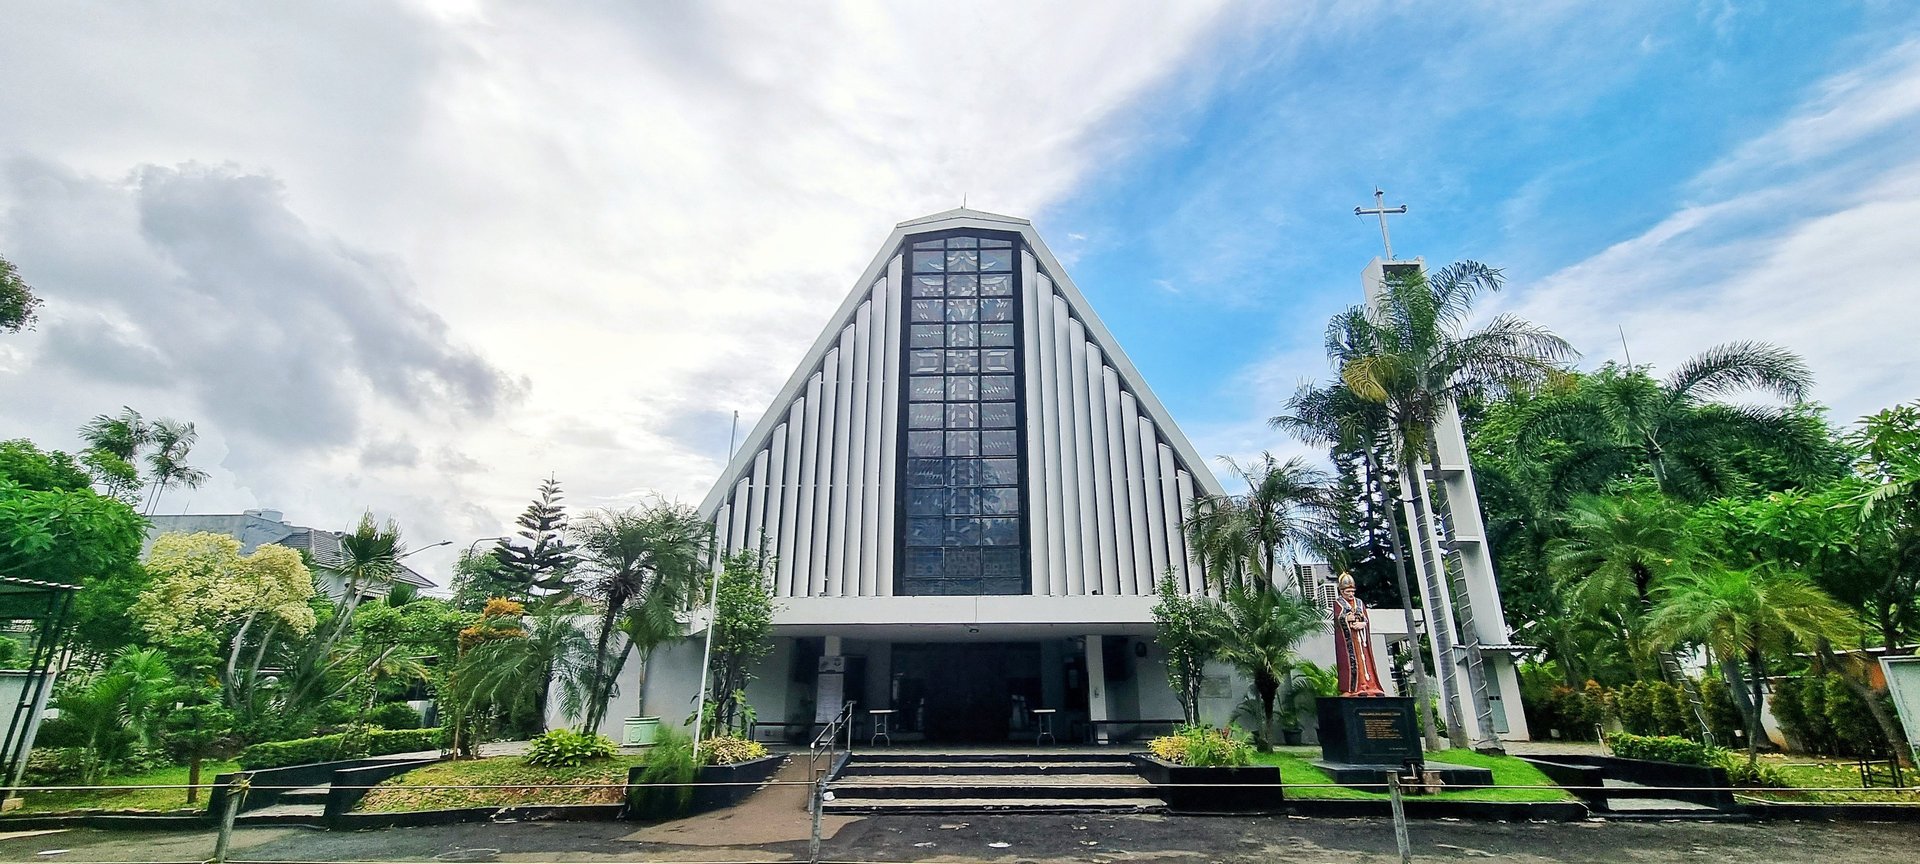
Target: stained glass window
(963,498)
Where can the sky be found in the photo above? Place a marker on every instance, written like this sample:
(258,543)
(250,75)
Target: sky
(411,257)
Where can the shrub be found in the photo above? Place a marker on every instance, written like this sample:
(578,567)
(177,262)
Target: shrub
(57,766)
(60,733)
(1724,718)
(1573,713)
(1204,747)
(1823,715)
(663,791)
(732,750)
(394,715)
(1742,771)
(1663,748)
(354,744)
(1653,708)
(565,748)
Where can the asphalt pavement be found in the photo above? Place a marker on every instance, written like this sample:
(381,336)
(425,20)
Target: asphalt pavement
(1024,838)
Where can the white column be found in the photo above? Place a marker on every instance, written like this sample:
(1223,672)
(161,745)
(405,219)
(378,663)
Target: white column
(1157,524)
(870,500)
(1143,572)
(721,520)
(776,501)
(889,429)
(1102,473)
(856,453)
(1184,482)
(823,475)
(1036,443)
(1176,522)
(1117,424)
(757,513)
(1097,685)
(836,525)
(737,532)
(1088,575)
(790,495)
(1051,481)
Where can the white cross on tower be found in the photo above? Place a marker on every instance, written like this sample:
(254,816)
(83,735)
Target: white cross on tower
(1381,210)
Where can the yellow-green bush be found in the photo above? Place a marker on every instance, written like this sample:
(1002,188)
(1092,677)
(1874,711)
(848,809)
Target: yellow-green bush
(732,750)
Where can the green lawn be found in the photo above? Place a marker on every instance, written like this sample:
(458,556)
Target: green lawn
(1295,767)
(412,790)
(160,800)
(1815,772)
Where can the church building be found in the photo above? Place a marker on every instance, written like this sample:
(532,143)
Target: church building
(966,493)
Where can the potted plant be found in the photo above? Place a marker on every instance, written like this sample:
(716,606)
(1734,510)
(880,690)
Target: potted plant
(641,731)
(1307,681)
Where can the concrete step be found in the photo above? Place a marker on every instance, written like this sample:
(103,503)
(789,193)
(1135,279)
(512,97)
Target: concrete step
(283,814)
(1035,755)
(994,786)
(872,806)
(309,795)
(860,767)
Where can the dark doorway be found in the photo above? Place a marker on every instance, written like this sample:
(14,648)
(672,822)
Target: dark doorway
(968,692)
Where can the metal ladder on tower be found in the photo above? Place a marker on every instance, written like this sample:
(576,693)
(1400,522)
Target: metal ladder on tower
(1670,665)
(1436,628)
(1455,571)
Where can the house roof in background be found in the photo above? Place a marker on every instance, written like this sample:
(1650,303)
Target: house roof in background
(254,530)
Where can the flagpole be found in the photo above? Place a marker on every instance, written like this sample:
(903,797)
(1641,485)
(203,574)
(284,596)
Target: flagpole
(713,615)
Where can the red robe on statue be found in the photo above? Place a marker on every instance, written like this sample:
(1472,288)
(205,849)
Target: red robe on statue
(1353,648)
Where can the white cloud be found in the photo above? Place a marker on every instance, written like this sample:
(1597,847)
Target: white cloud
(642,213)
(1804,243)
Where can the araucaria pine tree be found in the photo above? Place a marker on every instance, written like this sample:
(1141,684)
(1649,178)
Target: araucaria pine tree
(540,558)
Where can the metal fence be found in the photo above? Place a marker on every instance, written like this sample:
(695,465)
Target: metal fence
(821,774)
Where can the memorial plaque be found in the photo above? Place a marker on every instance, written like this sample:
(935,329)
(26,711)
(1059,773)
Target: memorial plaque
(1369,730)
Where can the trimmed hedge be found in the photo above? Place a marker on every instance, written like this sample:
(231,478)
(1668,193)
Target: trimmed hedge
(345,745)
(1662,748)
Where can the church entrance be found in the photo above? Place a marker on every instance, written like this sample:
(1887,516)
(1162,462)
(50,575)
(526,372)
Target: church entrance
(967,692)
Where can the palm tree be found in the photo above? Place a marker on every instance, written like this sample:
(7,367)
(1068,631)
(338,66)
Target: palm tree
(508,675)
(1619,421)
(113,446)
(1411,351)
(1747,614)
(1242,538)
(172,440)
(641,566)
(1334,417)
(1259,625)
(1617,550)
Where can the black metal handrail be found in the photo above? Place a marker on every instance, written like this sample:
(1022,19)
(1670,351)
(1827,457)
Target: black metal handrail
(829,739)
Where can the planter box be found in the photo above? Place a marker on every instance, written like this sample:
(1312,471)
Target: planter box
(749,774)
(461,815)
(1212,790)
(1660,774)
(640,731)
(342,797)
(289,777)
(1587,779)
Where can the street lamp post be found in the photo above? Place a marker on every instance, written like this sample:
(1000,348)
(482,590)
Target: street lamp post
(422,549)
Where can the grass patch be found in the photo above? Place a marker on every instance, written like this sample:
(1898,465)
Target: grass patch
(1814,772)
(144,800)
(1295,764)
(412,790)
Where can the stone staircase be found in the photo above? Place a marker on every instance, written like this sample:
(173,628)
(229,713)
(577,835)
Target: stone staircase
(310,802)
(1033,781)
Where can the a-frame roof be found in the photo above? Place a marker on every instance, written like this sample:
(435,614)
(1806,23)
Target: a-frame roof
(962,217)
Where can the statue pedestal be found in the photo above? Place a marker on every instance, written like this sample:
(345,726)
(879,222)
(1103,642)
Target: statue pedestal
(1365,738)
(1368,730)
